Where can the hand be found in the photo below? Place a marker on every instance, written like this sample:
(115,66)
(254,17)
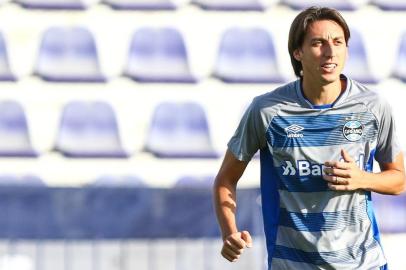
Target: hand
(345,175)
(234,245)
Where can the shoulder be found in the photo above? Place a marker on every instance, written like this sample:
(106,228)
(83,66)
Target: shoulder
(283,95)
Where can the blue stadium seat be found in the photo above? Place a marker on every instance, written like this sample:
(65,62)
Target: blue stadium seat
(189,181)
(179,130)
(118,181)
(390,212)
(247,56)
(400,65)
(337,4)
(257,5)
(56,4)
(358,66)
(5,71)
(142,4)
(394,5)
(68,54)
(158,55)
(89,130)
(18,180)
(14,134)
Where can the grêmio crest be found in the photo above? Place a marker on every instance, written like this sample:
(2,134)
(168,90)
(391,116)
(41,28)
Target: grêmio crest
(353,130)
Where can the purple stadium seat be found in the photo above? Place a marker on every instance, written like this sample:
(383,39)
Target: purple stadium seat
(394,5)
(17,180)
(257,5)
(390,212)
(179,130)
(142,4)
(247,56)
(158,55)
(56,4)
(202,181)
(337,4)
(68,54)
(5,72)
(117,181)
(358,67)
(14,133)
(400,65)
(89,129)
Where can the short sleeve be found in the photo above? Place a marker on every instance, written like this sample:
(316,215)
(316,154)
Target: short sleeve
(249,136)
(387,147)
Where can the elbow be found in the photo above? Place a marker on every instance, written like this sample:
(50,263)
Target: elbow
(402,186)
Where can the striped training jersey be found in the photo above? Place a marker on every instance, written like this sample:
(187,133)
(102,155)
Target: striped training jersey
(307,225)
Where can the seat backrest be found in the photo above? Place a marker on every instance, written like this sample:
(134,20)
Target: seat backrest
(89,129)
(179,130)
(400,65)
(14,134)
(258,5)
(394,5)
(358,66)
(141,4)
(56,4)
(118,181)
(336,4)
(5,71)
(195,181)
(18,180)
(158,55)
(68,54)
(247,55)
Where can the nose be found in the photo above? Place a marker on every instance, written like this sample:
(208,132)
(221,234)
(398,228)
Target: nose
(329,49)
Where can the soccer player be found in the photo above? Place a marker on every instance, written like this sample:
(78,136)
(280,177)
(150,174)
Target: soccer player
(318,137)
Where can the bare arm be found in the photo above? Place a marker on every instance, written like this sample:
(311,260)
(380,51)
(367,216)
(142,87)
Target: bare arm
(224,193)
(347,176)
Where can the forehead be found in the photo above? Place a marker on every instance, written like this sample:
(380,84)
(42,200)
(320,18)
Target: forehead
(324,29)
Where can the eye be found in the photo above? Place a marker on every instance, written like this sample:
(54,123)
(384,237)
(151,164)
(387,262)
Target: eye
(317,43)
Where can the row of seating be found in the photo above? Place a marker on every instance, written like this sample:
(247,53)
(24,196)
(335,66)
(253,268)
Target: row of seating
(185,181)
(90,130)
(245,55)
(258,5)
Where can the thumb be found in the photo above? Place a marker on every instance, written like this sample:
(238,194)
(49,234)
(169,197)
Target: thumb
(346,156)
(245,235)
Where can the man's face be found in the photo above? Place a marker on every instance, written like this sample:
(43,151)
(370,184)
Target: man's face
(323,52)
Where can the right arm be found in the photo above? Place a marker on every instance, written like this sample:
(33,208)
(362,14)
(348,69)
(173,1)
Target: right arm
(224,193)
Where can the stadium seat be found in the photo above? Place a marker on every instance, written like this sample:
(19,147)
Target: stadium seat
(117,181)
(14,133)
(258,5)
(68,54)
(158,55)
(56,4)
(357,66)
(179,130)
(142,4)
(394,5)
(337,4)
(5,71)
(400,65)
(17,180)
(189,181)
(89,129)
(247,56)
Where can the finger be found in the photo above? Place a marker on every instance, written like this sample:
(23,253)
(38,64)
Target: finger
(233,248)
(336,172)
(346,156)
(236,241)
(338,187)
(337,164)
(245,235)
(229,255)
(335,180)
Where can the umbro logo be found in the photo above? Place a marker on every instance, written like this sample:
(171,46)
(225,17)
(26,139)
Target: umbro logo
(293,131)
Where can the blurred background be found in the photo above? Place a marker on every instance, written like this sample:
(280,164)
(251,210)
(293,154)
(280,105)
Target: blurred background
(115,114)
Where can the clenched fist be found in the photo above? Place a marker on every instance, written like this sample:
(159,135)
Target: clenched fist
(234,245)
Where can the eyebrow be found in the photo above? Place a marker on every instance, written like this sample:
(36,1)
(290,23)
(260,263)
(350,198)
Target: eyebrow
(323,39)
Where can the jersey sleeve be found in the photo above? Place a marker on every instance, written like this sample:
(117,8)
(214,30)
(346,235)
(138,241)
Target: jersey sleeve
(387,147)
(249,136)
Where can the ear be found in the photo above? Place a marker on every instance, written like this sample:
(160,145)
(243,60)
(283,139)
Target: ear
(297,54)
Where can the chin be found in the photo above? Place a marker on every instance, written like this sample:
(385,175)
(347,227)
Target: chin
(330,78)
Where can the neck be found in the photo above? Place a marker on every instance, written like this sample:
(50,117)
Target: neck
(322,94)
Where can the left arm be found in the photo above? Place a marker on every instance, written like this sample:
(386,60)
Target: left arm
(348,176)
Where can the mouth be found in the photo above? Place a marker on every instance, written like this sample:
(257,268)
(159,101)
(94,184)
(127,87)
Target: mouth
(328,67)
